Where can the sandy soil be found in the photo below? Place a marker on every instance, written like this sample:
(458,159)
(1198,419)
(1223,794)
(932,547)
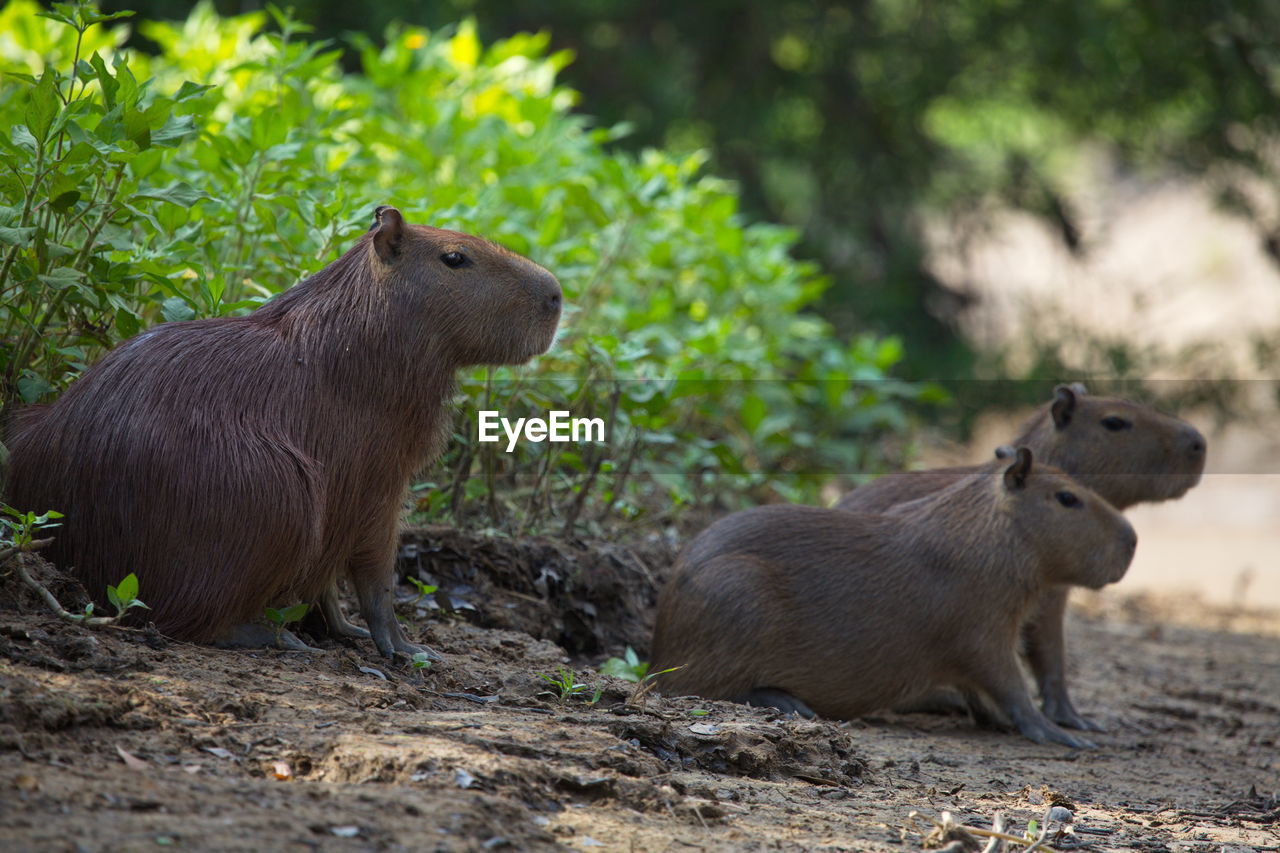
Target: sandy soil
(121,740)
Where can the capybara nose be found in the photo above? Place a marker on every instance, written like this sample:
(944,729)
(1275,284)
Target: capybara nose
(1194,441)
(1129,539)
(546,291)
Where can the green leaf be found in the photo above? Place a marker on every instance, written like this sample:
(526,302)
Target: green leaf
(93,16)
(60,16)
(107,82)
(22,137)
(62,277)
(190,90)
(64,200)
(127,589)
(179,192)
(128,323)
(175,308)
(42,109)
(32,387)
(20,237)
(294,613)
(176,130)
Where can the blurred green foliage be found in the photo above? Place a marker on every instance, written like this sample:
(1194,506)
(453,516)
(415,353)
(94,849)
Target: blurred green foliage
(241,157)
(857,121)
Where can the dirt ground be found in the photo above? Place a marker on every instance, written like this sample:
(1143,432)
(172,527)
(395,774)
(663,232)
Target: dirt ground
(122,740)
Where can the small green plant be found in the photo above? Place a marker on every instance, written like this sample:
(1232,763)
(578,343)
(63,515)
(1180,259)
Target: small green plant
(20,528)
(18,532)
(421,660)
(278,619)
(698,712)
(566,686)
(123,596)
(629,667)
(424,589)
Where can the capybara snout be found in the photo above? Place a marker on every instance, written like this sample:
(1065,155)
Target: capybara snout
(1076,536)
(492,305)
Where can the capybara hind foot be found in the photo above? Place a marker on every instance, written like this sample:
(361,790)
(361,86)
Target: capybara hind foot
(335,623)
(250,635)
(1061,711)
(768,697)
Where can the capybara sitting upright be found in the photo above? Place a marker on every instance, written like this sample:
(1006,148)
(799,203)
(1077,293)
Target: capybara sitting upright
(239,463)
(823,611)
(1124,451)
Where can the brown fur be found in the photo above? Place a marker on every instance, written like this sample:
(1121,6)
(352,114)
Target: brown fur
(240,463)
(1154,457)
(844,613)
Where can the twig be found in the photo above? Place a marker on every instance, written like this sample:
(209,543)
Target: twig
(50,601)
(996,844)
(948,823)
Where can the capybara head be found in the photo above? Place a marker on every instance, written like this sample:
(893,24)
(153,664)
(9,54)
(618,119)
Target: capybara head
(1073,534)
(484,303)
(1126,452)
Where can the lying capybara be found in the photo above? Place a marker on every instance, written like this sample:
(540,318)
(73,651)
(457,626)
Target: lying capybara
(245,462)
(1126,452)
(823,611)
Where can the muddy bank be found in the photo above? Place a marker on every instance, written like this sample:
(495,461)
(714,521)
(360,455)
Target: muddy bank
(123,740)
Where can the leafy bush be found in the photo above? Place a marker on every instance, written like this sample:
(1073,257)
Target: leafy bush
(204,179)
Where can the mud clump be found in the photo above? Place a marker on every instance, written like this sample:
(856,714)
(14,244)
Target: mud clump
(588,598)
(813,752)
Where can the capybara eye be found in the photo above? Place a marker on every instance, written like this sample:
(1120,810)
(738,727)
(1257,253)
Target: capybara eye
(453,259)
(1116,424)
(1067,499)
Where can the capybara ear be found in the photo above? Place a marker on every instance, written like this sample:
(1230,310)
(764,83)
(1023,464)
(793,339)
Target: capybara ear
(389,234)
(1064,405)
(1015,476)
(1006,451)
(1080,390)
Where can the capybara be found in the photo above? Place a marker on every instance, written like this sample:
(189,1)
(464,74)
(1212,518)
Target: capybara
(244,462)
(824,611)
(1124,451)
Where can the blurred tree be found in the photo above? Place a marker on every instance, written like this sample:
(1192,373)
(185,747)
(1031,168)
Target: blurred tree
(857,121)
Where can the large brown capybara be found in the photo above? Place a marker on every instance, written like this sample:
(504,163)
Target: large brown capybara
(1126,452)
(824,611)
(240,463)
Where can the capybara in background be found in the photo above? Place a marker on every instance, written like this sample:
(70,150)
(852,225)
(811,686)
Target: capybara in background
(1124,451)
(245,462)
(825,611)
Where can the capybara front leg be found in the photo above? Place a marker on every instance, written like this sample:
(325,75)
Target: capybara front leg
(1046,648)
(1004,684)
(376,605)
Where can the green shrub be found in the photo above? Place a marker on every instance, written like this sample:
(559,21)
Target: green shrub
(240,159)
